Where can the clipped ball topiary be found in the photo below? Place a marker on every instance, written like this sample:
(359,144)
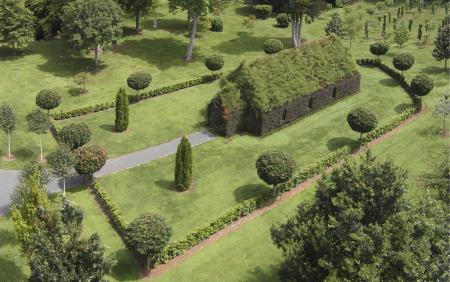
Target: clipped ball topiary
(421,84)
(214,62)
(139,80)
(282,20)
(263,11)
(217,24)
(48,99)
(379,48)
(89,159)
(403,61)
(272,46)
(362,120)
(75,135)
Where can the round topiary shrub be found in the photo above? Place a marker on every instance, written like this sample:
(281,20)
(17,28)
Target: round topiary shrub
(403,62)
(272,46)
(139,80)
(48,99)
(217,24)
(282,20)
(379,48)
(421,84)
(89,159)
(214,62)
(75,135)
(362,120)
(263,11)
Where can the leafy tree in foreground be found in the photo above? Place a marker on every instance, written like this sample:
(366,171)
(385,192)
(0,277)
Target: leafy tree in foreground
(442,110)
(122,111)
(91,24)
(362,120)
(148,234)
(214,62)
(8,123)
(275,168)
(403,61)
(183,165)
(139,8)
(82,79)
(442,45)
(89,159)
(39,123)
(75,135)
(139,80)
(379,48)
(16,24)
(360,227)
(335,25)
(61,162)
(48,99)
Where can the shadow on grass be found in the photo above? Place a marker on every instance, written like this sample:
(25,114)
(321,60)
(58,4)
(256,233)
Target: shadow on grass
(388,82)
(259,274)
(164,53)
(175,26)
(165,184)
(9,269)
(433,70)
(108,127)
(126,268)
(25,154)
(246,43)
(339,142)
(245,11)
(74,91)
(251,190)
(400,108)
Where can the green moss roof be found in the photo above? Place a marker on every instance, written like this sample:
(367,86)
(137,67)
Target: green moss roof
(273,80)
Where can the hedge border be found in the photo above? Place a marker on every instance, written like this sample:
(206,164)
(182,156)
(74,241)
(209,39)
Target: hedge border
(137,98)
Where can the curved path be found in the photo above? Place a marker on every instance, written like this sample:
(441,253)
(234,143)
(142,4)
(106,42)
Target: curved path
(9,178)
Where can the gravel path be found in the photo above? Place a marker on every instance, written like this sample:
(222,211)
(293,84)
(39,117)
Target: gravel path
(8,178)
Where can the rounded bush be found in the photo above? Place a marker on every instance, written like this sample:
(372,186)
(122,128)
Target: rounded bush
(204,23)
(362,120)
(421,84)
(273,46)
(48,99)
(263,11)
(139,80)
(89,159)
(403,62)
(275,167)
(75,135)
(282,20)
(214,62)
(379,48)
(217,24)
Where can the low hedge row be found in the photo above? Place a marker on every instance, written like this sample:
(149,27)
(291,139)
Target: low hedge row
(113,212)
(54,128)
(136,98)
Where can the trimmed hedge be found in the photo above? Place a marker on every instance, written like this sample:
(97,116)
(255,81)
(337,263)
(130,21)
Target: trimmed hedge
(136,98)
(113,212)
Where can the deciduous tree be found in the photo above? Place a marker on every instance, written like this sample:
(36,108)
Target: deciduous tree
(442,45)
(401,35)
(335,25)
(139,8)
(353,22)
(403,61)
(39,123)
(82,79)
(362,120)
(75,135)
(62,164)
(48,99)
(8,123)
(89,159)
(442,110)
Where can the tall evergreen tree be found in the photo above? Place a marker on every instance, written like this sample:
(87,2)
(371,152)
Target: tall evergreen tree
(335,25)
(183,165)
(122,111)
(442,45)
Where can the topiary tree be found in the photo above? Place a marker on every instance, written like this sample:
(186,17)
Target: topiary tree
(122,111)
(75,135)
(403,61)
(147,235)
(335,25)
(274,168)
(282,20)
(48,99)
(8,123)
(183,165)
(39,123)
(82,79)
(379,48)
(216,24)
(89,159)
(442,45)
(401,35)
(272,46)
(263,11)
(420,86)
(214,62)
(139,80)
(362,120)
(61,162)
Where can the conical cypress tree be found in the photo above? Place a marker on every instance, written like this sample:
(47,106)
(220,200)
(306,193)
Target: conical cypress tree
(122,111)
(183,165)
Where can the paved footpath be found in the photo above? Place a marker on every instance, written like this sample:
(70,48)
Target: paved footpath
(9,178)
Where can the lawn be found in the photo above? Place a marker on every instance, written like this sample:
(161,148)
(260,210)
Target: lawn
(224,171)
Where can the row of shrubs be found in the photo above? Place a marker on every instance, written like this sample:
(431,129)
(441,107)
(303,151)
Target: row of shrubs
(136,98)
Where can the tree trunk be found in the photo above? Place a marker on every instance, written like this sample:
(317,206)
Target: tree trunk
(192,39)
(149,260)
(350,43)
(97,50)
(9,145)
(42,155)
(297,24)
(64,186)
(14,49)
(445,62)
(360,138)
(138,20)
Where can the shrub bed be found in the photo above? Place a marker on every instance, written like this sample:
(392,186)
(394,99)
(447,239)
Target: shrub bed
(136,98)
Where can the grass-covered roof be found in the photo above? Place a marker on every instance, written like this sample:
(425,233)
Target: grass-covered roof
(273,80)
